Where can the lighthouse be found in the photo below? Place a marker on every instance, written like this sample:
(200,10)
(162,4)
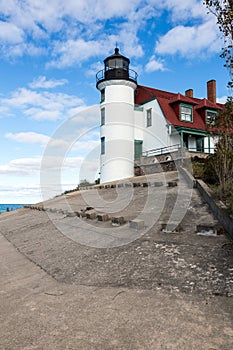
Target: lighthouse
(116,83)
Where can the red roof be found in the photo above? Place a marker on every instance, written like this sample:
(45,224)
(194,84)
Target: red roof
(167,102)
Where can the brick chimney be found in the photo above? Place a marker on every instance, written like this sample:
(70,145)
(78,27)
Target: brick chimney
(211,91)
(189,93)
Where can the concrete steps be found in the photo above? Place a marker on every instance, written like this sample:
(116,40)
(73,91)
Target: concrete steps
(163,199)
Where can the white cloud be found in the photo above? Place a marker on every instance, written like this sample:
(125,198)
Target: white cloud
(190,41)
(94,68)
(222,99)
(180,10)
(42,105)
(9,33)
(75,52)
(32,166)
(79,28)
(20,193)
(86,12)
(82,33)
(154,65)
(43,114)
(42,82)
(85,141)
(21,167)
(28,137)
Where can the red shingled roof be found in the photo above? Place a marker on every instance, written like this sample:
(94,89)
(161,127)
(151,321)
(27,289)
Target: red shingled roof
(167,102)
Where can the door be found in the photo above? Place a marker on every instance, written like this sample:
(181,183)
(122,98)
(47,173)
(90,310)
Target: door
(137,149)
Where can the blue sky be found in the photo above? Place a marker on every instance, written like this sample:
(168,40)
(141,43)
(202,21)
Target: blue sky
(50,52)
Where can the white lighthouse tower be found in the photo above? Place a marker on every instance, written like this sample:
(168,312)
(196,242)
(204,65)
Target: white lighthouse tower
(116,83)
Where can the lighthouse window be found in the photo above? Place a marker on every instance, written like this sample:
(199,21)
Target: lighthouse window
(102,116)
(102,95)
(102,145)
(115,63)
(148,117)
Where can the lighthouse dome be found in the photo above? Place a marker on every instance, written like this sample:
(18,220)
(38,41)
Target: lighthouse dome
(116,66)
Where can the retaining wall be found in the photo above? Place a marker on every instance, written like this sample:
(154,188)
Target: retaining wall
(218,208)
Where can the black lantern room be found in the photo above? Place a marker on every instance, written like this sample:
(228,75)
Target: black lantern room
(116,66)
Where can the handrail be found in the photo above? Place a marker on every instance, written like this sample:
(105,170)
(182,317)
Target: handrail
(163,150)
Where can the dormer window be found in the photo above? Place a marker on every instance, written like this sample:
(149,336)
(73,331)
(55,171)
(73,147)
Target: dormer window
(210,117)
(186,113)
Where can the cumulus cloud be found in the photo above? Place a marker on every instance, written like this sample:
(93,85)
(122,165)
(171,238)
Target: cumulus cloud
(190,41)
(154,65)
(43,83)
(9,33)
(94,68)
(74,52)
(17,193)
(81,31)
(85,140)
(28,137)
(42,105)
(180,10)
(32,166)
(21,167)
(222,99)
(79,27)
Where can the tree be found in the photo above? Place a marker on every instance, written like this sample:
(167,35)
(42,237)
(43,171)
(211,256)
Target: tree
(223,10)
(84,183)
(222,160)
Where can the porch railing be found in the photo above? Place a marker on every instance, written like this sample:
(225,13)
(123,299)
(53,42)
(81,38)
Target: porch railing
(175,148)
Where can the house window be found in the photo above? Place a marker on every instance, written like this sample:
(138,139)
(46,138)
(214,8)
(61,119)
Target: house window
(200,144)
(102,145)
(148,117)
(102,95)
(186,113)
(210,117)
(102,122)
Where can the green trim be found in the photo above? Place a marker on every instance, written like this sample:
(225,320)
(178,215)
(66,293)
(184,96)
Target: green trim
(138,108)
(191,131)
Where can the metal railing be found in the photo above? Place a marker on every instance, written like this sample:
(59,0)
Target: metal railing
(163,150)
(131,74)
(176,148)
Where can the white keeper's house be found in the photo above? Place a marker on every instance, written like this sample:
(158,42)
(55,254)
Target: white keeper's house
(138,120)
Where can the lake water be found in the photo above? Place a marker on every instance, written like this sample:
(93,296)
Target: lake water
(5,207)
